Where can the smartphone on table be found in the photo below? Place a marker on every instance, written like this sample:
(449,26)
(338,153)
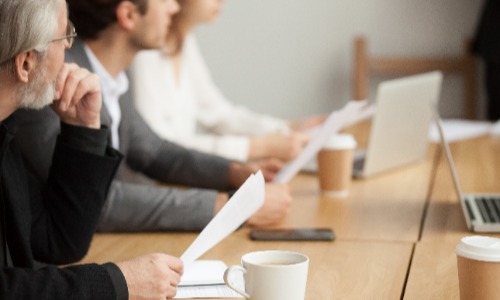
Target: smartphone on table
(293,234)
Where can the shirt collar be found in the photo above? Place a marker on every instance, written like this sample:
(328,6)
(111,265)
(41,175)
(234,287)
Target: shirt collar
(110,86)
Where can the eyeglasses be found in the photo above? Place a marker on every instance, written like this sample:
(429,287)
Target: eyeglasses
(69,37)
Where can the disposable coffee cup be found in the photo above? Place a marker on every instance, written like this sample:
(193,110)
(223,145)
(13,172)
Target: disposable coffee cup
(478,262)
(335,161)
(271,275)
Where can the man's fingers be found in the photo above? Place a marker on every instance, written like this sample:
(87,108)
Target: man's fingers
(61,78)
(176,265)
(71,83)
(89,83)
(275,164)
(171,292)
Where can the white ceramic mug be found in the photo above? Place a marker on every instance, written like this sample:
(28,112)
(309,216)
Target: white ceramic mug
(271,275)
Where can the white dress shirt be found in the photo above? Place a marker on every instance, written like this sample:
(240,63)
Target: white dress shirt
(112,90)
(193,112)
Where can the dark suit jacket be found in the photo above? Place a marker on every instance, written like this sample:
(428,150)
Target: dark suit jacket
(146,154)
(487,39)
(55,222)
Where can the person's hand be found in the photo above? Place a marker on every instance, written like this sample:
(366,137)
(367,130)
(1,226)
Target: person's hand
(78,94)
(239,172)
(283,146)
(269,167)
(308,123)
(276,206)
(154,276)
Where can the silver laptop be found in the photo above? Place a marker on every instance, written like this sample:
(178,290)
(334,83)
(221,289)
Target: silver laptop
(400,127)
(481,211)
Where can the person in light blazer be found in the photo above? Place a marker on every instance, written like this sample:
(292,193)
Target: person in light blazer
(175,94)
(109,36)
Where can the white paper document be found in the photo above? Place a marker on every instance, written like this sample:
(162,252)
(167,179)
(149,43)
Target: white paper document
(203,272)
(456,130)
(209,291)
(205,279)
(244,203)
(495,129)
(353,112)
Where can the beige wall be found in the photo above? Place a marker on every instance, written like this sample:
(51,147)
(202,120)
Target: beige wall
(294,58)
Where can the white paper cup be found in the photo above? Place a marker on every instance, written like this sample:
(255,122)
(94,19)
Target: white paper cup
(478,263)
(335,161)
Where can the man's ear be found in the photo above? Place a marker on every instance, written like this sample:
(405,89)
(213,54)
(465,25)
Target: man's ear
(126,14)
(25,63)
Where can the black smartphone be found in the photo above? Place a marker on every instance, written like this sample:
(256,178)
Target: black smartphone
(295,234)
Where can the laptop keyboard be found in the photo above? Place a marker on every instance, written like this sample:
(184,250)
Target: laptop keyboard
(489,208)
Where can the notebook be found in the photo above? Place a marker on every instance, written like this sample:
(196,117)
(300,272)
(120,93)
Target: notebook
(481,211)
(400,127)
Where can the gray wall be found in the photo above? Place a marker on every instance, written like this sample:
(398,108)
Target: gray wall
(294,58)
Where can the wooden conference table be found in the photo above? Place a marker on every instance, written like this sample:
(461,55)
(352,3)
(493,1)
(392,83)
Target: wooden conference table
(433,274)
(396,231)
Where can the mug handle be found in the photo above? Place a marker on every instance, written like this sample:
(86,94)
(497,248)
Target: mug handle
(228,271)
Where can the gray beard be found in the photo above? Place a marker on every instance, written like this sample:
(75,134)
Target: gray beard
(37,94)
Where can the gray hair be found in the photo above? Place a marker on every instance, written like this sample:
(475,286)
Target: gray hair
(26,25)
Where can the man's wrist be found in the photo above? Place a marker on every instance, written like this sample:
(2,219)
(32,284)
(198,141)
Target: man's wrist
(91,124)
(86,139)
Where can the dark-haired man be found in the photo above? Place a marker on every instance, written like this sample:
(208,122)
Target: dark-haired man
(111,34)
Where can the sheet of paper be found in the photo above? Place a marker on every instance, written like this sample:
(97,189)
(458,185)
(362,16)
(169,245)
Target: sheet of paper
(209,291)
(205,279)
(353,112)
(495,129)
(244,203)
(456,130)
(203,272)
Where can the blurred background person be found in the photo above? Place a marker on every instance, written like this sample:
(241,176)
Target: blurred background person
(487,45)
(109,36)
(175,94)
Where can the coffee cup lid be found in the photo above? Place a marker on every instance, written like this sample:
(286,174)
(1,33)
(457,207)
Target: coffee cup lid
(340,141)
(481,248)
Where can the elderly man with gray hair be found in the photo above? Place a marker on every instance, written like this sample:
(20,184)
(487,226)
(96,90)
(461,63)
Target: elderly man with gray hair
(54,222)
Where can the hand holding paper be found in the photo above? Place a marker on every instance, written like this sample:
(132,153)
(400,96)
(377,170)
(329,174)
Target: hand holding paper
(351,113)
(244,203)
